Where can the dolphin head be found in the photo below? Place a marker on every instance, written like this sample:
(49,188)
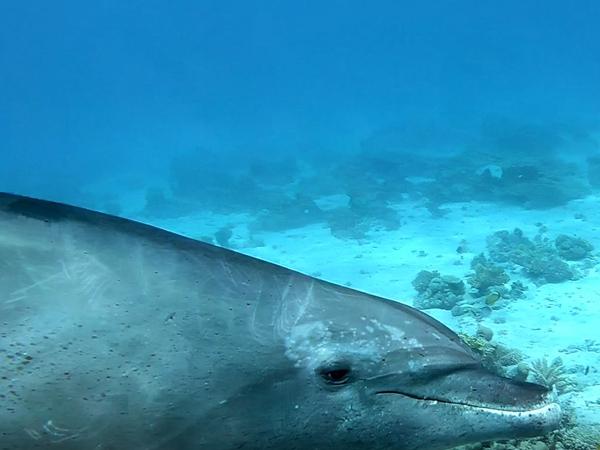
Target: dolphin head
(380,374)
(144,339)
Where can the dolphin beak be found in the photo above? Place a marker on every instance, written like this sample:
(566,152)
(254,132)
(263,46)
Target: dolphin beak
(466,385)
(498,407)
(479,387)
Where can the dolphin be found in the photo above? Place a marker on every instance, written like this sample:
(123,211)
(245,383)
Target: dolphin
(119,335)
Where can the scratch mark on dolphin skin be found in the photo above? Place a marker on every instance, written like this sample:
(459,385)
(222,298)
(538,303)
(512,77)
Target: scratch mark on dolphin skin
(33,434)
(253,328)
(55,433)
(61,434)
(87,271)
(35,284)
(21,293)
(284,314)
(285,292)
(292,308)
(227,269)
(65,270)
(14,300)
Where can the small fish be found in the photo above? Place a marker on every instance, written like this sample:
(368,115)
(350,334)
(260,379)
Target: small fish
(169,317)
(492,298)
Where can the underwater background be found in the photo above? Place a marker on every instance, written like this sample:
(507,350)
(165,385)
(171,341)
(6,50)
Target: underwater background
(445,154)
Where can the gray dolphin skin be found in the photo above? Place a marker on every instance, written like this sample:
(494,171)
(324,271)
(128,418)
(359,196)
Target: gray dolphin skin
(119,335)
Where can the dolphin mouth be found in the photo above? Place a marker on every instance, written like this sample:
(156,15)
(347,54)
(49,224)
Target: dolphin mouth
(549,405)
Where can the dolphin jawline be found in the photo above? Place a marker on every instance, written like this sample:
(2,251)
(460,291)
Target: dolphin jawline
(542,408)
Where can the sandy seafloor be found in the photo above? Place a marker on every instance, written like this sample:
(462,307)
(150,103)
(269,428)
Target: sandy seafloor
(553,320)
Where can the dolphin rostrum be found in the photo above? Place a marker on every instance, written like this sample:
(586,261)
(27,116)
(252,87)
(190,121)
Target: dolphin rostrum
(118,335)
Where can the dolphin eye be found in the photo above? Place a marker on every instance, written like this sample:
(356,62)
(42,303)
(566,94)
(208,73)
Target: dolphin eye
(336,375)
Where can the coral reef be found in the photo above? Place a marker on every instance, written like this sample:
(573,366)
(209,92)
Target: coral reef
(538,259)
(273,171)
(288,212)
(375,210)
(576,438)
(209,179)
(478,311)
(572,248)
(553,375)
(486,276)
(506,161)
(505,246)
(365,211)
(160,205)
(484,332)
(494,356)
(517,290)
(570,437)
(547,268)
(437,291)
(515,163)
(223,235)
(540,184)
(345,224)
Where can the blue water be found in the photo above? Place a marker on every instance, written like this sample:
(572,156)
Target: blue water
(301,132)
(90,88)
